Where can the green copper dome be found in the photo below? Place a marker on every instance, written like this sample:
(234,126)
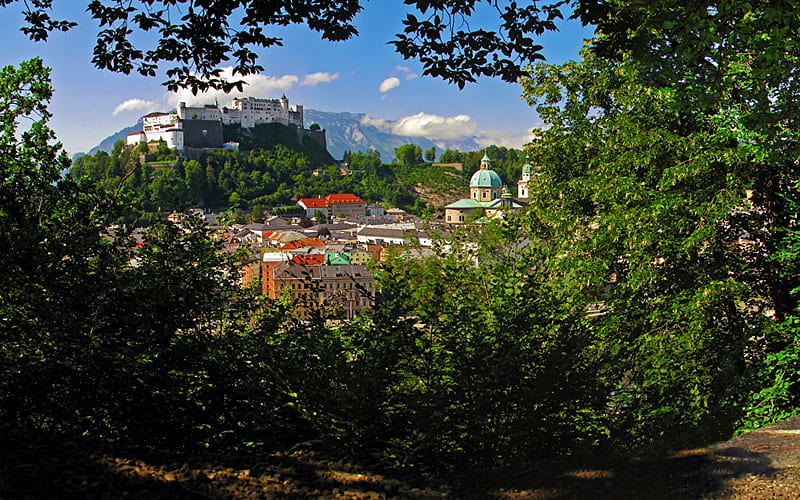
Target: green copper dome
(485,178)
(527,168)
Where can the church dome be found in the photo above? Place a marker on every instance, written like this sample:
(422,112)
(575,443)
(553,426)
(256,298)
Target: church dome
(527,168)
(485,178)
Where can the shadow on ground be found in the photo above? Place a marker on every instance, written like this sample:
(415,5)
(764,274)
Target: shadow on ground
(689,474)
(42,466)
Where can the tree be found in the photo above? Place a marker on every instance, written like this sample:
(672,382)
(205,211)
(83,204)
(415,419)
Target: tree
(408,155)
(320,217)
(430,154)
(643,200)
(456,41)
(95,342)
(195,38)
(635,304)
(195,180)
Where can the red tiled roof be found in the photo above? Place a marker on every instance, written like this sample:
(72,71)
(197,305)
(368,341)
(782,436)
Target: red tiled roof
(305,242)
(342,199)
(313,202)
(309,260)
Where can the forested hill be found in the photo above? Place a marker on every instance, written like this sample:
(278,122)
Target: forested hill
(269,135)
(272,174)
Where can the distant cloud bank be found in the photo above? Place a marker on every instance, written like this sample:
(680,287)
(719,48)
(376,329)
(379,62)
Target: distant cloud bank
(426,125)
(255,85)
(435,126)
(406,71)
(445,128)
(503,138)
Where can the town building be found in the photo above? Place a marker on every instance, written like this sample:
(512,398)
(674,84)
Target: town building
(336,290)
(343,206)
(523,193)
(389,234)
(250,111)
(200,127)
(487,197)
(314,207)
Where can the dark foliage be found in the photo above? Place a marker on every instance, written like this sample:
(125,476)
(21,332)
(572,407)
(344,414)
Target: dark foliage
(194,38)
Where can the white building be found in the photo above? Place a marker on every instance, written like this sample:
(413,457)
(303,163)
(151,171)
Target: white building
(250,111)
(165,127)
(207,112)
(523,193)
(154,122)
(246,111)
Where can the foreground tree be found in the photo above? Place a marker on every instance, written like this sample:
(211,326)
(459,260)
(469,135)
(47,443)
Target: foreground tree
(196,37)
(94,339)
(662,210)
(458,41)
(640,307)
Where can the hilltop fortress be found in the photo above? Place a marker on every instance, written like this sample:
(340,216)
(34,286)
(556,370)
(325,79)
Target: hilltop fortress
(201,127)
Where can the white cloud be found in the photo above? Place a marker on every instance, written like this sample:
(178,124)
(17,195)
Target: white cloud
(389,84)
(444,128)
(408,74)
(315,79)
(135,105)
(435,126)
(503,138)
(379,123)
(257,85)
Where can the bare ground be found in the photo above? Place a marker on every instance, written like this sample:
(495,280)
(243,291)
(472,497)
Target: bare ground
(763,464)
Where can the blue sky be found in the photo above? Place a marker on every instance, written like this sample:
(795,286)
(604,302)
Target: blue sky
(362,75)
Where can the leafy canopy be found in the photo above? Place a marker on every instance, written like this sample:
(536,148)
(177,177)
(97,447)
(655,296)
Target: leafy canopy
(195,37)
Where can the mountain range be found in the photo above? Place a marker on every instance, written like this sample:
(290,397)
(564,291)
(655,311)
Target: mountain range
(345,132)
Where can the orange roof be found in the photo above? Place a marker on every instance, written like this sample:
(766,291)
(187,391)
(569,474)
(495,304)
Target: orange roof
(305,242)
(309,260)
(342,199)
(313,202)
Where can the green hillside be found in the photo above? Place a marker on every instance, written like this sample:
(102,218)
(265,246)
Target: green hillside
(272,168)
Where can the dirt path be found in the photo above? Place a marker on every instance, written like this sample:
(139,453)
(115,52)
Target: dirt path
(761,464)
(764,464)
